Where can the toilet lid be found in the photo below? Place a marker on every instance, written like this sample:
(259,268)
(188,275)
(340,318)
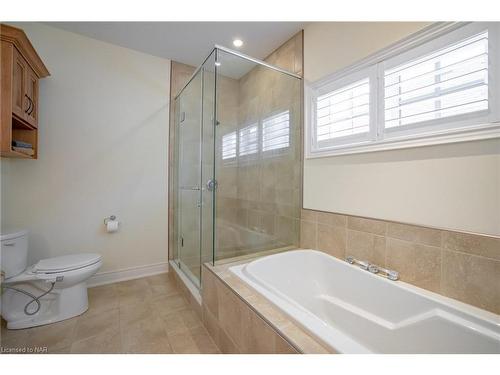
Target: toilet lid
(66,262)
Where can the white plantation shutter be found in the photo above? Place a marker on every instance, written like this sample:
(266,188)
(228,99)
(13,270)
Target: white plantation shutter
(229,146)
(449,82)
(438,86)
(249,140)
(343,112)
(276,132)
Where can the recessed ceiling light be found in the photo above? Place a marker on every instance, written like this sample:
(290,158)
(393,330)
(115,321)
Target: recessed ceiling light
(237,42)
(217,63)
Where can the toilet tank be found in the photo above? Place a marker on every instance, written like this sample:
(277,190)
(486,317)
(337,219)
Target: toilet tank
(14,252)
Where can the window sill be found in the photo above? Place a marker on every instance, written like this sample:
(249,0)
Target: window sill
(492,131)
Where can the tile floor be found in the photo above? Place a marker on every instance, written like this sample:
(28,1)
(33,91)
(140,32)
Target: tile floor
(148,315)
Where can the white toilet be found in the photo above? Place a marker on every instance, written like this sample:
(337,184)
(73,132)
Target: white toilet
(65,277)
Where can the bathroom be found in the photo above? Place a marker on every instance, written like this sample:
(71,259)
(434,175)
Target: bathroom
(329,186)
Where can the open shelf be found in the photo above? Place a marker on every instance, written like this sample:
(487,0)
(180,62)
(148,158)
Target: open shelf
(16,154)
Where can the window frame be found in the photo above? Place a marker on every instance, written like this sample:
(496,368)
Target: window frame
(458,128)
(369,73)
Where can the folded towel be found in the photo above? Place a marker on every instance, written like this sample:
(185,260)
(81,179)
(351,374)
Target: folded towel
(24,150)
(21,144)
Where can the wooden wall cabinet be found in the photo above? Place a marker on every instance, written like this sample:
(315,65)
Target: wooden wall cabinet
(20,71)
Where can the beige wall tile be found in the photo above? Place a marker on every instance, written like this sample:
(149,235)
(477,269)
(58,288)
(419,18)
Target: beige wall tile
(366,246)
(416,264)
(367,225)
(332,240)
(308,235)
(472,244)
(305,342)
(283,347)
(211,324)
(308,215)
(259,337)
(413,233)
(209,292)
(472,279)
(233,315)
(332,219)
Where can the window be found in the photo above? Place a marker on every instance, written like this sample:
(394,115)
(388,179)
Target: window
(443,90)
(276,132)
(343,112)
(249,140)
(449,82)
(229,146)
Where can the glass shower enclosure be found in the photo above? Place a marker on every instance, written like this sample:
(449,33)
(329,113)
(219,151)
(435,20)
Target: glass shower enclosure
(237,176)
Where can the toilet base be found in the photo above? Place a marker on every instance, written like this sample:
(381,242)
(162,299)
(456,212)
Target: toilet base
(60,304)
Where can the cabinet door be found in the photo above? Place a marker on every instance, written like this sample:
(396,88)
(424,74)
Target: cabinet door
(32,93)
(20,101)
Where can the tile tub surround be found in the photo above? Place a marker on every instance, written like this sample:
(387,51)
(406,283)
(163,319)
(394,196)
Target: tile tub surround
(458,265)
(240,320)
(147,315)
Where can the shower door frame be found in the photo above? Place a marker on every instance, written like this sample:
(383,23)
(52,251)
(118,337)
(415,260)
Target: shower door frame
(215,52)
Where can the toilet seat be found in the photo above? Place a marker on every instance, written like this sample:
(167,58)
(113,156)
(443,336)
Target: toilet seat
(49,269)
(66,263)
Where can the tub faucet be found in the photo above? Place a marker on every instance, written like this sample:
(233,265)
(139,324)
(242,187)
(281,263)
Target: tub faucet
(373,268)
(361,263)
(390,274)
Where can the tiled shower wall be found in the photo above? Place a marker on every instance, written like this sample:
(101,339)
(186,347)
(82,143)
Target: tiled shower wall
(457,265)
(258,200)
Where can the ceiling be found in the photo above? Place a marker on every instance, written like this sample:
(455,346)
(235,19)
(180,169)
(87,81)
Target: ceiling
(188,42)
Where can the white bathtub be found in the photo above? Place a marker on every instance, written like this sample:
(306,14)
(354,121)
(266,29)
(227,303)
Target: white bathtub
(353,311)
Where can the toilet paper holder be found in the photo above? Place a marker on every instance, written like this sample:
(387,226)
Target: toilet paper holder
(106,219)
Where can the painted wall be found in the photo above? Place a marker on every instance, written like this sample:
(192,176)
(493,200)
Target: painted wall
(102,151)
(451,186)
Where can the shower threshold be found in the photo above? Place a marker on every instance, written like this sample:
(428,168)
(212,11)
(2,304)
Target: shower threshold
(186,277)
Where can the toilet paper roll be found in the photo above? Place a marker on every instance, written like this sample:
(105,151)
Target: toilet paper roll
(112,226)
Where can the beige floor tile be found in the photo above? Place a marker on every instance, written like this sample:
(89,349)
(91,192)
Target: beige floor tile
(183,343)
(10,338)
(174,324)
(93,325)
(203,340)
(134,292)
(130,314)
(53,336)
(102,298)
(145,336)
(146,315)
(107,342)
(162,285)
(166,305)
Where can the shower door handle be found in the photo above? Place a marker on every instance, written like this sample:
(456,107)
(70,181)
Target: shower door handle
(211,184)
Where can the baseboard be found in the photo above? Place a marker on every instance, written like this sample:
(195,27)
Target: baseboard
(127,274)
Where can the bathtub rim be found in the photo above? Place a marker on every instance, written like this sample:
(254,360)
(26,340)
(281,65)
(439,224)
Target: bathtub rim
(239,270)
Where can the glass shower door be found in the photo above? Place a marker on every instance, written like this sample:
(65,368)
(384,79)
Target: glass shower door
(189,119)
(195,173)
